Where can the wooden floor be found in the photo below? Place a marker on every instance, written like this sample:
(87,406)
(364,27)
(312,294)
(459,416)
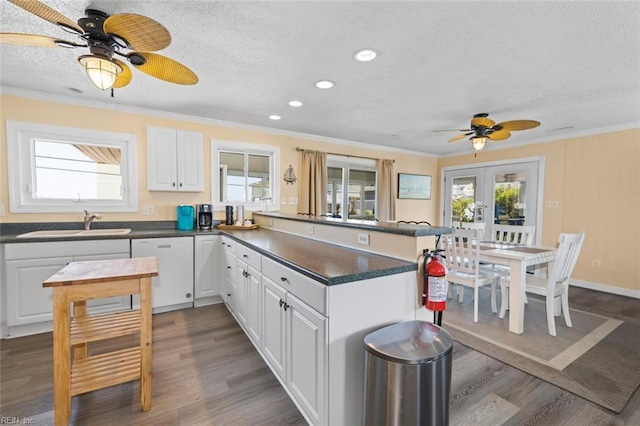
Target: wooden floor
(206,372)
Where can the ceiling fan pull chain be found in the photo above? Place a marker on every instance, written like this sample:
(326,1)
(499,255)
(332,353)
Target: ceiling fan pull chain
(112,92)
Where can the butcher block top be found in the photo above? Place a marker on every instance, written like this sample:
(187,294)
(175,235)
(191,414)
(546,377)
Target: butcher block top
(99,271)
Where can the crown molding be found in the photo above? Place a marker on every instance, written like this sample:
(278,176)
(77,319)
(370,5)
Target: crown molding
(68,100)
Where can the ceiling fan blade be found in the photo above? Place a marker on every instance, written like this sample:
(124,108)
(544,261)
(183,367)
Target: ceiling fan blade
(48,14)
(462,136)
(164,68)
(35,40)
(482,121)
(499,135)
(451,130)
(519,124)
(140,32)
(124,77)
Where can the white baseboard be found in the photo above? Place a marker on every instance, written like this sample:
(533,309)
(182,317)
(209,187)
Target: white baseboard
(606,288)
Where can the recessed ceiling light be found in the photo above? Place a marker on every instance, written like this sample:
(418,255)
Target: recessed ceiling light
(275,117)
(325,84)
(295,104)
(365,55)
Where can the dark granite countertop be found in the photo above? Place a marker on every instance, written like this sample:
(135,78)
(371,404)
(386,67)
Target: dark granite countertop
(326,263)
(412,230)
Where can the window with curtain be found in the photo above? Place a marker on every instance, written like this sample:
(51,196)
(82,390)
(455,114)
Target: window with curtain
(351,187)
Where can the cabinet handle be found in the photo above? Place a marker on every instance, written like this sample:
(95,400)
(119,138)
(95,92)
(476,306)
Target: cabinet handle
(173,184)
(180,184)
(281,302)
(285,306)
(228,267)
(164,246)
(223,244)
(229,294)
(245,256)
(188,295)
(283,279)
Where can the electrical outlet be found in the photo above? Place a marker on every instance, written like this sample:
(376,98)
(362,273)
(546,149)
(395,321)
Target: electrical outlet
(148,210)
(284,201)
(293,201)
(270,222)
(597,263)
(310,229)
(552,204)
(363,239)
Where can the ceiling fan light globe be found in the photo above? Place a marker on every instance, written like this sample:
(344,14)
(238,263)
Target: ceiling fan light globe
(102,72)
(478,142)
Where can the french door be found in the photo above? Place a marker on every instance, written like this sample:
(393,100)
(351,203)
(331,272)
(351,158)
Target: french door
(494,194)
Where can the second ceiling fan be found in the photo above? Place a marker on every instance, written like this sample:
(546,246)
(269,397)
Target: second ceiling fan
(483,129)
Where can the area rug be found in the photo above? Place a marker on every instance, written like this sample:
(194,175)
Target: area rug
(597,359)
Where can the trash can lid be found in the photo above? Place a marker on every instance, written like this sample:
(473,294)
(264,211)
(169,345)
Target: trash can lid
(409,342)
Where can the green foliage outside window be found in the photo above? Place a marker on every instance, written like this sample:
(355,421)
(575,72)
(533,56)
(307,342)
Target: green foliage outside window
(461,210)
(506,199)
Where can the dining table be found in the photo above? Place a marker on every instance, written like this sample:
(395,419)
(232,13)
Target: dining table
(517,257)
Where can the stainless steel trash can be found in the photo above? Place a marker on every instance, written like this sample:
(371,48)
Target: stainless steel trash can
(407,375)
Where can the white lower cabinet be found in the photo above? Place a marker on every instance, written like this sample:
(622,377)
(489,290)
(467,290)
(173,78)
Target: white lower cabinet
(173,287)
(207,285)
(27,265)
(228,273)
(295,338)
(249,279)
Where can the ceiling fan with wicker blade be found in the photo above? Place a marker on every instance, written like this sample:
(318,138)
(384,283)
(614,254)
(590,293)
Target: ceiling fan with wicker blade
(128,35)
(483,128)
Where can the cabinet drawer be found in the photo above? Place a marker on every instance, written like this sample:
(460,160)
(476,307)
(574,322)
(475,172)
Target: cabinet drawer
(229,245)
(230,265)
(65,248)
(251,257)
(305,289)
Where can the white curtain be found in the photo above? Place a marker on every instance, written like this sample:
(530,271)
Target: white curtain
(386,191)
(313,182)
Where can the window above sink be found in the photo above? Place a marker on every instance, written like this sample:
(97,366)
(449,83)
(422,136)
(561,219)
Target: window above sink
(56,169)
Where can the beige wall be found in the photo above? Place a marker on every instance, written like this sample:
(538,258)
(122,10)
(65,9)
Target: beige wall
(596,180)
(58,114)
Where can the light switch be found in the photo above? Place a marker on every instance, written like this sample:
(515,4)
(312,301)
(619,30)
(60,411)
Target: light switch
(284,201)
(293,201)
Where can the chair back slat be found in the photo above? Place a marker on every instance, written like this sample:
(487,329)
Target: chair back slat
(470,225)
(462,250)
(513,234)
(569,246)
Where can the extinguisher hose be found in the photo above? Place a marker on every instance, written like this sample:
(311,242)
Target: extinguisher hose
(424,278)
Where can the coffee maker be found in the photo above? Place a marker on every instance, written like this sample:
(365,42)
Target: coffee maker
(204,216)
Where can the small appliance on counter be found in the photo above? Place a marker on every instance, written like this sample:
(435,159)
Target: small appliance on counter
(204,215)
(185,217)
(228,220)
(240,215)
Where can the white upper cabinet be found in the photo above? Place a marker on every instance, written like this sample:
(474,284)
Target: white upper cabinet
(175,160)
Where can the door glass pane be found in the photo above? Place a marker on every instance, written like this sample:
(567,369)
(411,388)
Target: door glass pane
(362,194)
(334,190)
(510,198)
(258,177)
(232,183)
(463,199)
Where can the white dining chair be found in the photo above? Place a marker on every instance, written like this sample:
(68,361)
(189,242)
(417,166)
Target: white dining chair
(462,260)
(513,234)
(470,225)
(557,282)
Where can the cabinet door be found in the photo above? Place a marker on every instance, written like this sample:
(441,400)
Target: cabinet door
(242,290)
(307,358)
(107,304)
(28,301)
(161,159)
(189,161)
(228,277)
(206,266)
(253,307)
(274,326)
(174,283)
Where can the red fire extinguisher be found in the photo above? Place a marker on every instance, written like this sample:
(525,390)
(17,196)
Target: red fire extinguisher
(435,285)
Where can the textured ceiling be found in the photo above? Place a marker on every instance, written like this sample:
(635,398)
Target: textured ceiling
(573,66)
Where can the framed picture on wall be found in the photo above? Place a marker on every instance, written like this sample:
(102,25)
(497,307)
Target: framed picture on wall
(416,187)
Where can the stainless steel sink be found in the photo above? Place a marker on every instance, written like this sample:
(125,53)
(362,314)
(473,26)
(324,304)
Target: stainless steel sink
(62,233)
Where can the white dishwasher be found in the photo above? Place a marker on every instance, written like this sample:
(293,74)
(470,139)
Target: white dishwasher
(173,287)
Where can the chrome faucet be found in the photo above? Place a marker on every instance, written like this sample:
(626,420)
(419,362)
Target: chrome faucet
(88,218)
